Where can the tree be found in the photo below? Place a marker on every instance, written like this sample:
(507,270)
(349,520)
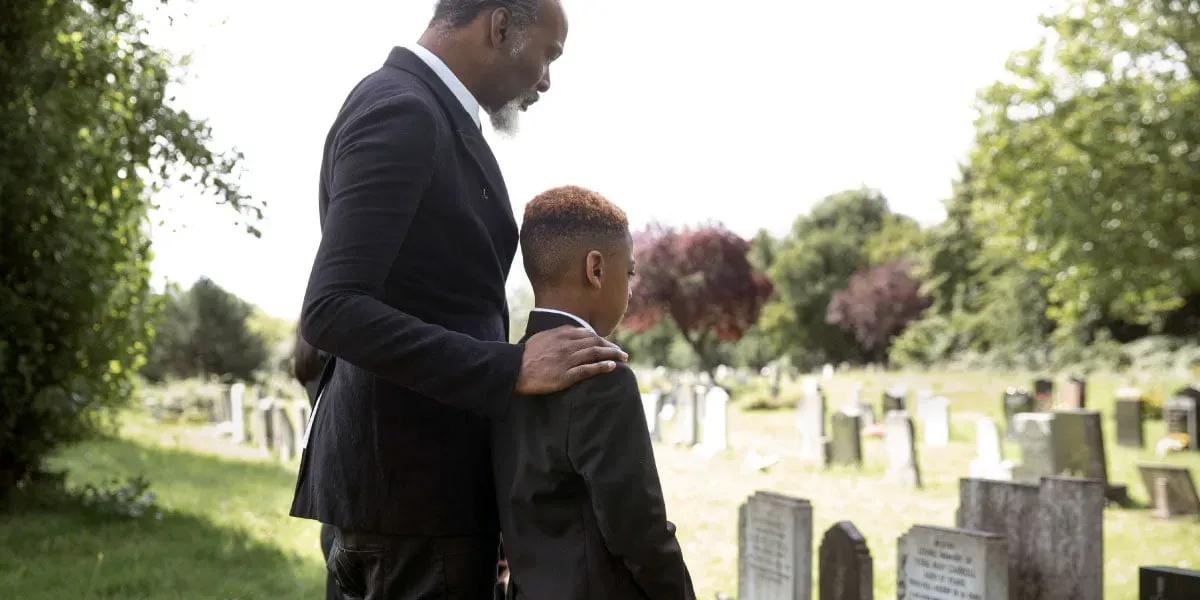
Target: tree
(878,304)
(89,135)
(206,332)
(700,280)
(1088,157)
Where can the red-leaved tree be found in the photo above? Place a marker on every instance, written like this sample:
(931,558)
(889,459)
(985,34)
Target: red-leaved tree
(878,304)
(700,280)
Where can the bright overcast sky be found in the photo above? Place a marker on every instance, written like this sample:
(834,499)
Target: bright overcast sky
(683,111)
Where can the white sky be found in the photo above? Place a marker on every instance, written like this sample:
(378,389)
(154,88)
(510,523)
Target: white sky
(684,111)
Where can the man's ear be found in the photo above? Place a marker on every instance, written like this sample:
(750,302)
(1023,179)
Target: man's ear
(501,27)
(595,268)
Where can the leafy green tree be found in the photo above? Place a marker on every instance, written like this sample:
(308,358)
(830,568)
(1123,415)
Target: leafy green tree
(89,133)
(900,239)
(1088,157)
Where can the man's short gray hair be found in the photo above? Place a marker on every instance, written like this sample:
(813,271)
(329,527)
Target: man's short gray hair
(457,13)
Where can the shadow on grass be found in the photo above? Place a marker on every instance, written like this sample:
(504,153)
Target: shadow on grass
(203,545)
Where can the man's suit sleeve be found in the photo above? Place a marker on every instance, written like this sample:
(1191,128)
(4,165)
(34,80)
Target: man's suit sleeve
(609,445)
(383,160)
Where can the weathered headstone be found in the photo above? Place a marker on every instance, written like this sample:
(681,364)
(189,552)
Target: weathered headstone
(845,447)
(1043,394)
(989,461)
(263,425)
(1075,395)
(1015,402)
(716,419)
(685,416)
(1079,437)
(846,569)
(1039,454)
(1130,417)
(237,395)
(651,405)
(894,399)
(899,441)
(935,416)
(1171,490)
(283,432)
(941,563)
(1182,415)
(810,413)
(1168,583)
(775,537)
(1054,529)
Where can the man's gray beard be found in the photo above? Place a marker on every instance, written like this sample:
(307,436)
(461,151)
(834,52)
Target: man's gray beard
(507,119)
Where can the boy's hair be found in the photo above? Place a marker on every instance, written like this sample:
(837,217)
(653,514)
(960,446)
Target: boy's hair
(563,223)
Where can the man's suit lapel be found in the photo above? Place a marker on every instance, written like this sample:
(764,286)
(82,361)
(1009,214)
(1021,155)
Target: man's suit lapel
(470,135)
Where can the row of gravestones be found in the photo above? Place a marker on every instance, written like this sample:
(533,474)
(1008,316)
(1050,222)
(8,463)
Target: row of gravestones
(690,415)
(1011,541)
(275,426)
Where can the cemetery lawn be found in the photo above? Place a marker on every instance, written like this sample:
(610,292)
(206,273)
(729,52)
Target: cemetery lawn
(225,533)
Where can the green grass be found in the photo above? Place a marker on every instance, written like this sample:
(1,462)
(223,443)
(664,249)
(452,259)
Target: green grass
(225,533)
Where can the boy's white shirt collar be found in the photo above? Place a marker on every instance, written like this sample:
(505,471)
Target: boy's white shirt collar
(582,323)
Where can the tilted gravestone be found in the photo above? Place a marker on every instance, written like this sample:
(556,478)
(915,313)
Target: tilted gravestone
(775,538)
(1168,583)
(1171,490)
(846,571)
(942,563)
(900,443)
(1054,529)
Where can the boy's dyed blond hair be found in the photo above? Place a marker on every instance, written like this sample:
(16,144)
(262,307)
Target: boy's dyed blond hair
(562,225)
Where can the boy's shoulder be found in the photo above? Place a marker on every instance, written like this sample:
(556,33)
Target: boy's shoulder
(620,382)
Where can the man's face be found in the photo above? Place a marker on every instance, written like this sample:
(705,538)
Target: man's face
(523,67)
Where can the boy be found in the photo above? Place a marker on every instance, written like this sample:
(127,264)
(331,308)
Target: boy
(581,507)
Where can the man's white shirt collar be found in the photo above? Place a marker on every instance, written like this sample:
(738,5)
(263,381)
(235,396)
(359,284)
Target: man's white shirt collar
(460,91)
(582,323)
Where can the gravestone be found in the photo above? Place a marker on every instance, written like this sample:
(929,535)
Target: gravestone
(846,569)
(283,440)
(1054,529)
(775,548)
(941,563)
(701,408)
(893,399)
(899,441)
(1130,417)
(1168,583)
(685,416)
(1043,394)
(1171,490)
(935,416)
(989,460)
(866,412)
(651,405)
(1079,437)
(237,395)
(1015,402)
(924,397)
(1182,415)
(1039,454)
(810,413)
(716,419)
(263,425)
(845,447)
(1075,395)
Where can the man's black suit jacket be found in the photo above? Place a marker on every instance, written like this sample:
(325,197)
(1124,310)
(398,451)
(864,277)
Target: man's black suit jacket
(581,505)
(407,293)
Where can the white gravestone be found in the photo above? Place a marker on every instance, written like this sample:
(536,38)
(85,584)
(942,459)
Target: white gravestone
(715,436)
(989,461)
(936,418)
(775,539)
(650,404)
(938,563)
(237,396)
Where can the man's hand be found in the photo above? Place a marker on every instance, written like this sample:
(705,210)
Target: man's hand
(557,358)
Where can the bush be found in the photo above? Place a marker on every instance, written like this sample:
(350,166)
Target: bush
(185,400)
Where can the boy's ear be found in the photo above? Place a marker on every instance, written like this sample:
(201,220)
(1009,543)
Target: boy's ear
(595,268)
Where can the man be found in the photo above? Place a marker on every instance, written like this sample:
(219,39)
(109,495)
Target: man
(407,294)
(581,506)
(307,365)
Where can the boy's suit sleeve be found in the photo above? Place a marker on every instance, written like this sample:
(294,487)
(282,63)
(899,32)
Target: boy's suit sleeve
(609,445)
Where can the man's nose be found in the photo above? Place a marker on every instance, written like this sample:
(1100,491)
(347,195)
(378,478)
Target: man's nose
(543,86)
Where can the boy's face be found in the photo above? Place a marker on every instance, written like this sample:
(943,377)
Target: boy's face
(611,286)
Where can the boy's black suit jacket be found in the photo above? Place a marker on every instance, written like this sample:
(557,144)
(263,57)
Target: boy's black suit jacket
(407,293)
(581,506)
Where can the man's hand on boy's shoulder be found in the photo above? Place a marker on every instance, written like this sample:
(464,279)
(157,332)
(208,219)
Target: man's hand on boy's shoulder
(556,359)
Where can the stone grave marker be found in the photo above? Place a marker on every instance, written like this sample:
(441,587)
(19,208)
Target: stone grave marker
(989,461)
(1079,437)
(685,416)
(651,405)
(845,447)
(1168,583)
(846,568)
(924,396)
(1182,415)
(263,425)
(894,399)
(237,409)
(1054,529)
(901,450)
(1171,490)
(1015,402)
(810,413)
(1075,395)
(1130,417)
(1043,394)
(1034,434)
(715,435)
(284,432)
(866,412)
(936,420)
(941,563)
(775,538)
